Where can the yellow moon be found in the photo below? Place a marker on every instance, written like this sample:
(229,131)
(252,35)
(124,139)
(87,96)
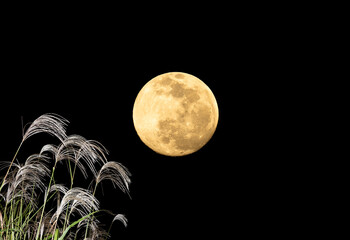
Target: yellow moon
(175,114)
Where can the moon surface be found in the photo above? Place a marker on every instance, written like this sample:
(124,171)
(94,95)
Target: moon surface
(175,114)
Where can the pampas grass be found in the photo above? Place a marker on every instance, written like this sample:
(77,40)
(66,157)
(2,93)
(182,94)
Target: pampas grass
(34,206)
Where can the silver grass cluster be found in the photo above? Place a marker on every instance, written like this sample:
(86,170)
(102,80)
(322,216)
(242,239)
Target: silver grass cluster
(79,200)
(77,149)
(33,172)
(24,180)
(115,172)
(50,123)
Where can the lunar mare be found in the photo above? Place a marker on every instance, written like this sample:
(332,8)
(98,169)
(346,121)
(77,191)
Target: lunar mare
(175,114)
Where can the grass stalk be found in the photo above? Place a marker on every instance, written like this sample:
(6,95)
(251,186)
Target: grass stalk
(92,218)
(20,210)
(45,200)
(67,216)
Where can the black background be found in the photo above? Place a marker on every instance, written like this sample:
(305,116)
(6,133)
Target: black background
(92,77)
(89,69)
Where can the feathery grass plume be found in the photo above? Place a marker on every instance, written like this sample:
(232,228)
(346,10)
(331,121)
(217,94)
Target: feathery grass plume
(49,148)
(50,123)
(28,178)
(117,173)
(58,189)
(33,172)
(77,149)
(7,164)
(79,200)
(121,218)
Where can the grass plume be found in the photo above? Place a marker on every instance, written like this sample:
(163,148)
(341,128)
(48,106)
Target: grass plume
(33,205)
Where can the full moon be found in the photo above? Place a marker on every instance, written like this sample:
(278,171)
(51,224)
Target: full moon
(175,114)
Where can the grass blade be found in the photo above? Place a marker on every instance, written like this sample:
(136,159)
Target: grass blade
(73,224)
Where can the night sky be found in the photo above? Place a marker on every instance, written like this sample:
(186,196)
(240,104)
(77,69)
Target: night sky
(93,82)
(90,73)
